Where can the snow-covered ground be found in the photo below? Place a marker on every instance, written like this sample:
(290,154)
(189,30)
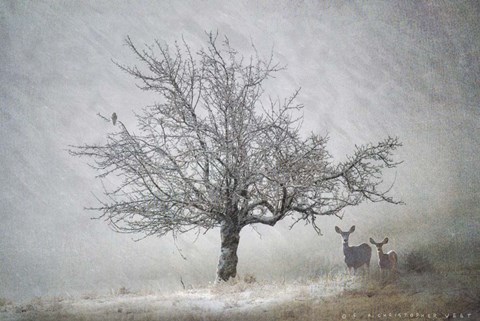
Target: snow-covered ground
(219,301)
(442,294)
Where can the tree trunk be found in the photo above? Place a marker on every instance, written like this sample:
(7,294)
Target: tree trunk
(227,263)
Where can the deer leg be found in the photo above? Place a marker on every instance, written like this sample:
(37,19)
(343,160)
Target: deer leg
(349,270)
(386,274)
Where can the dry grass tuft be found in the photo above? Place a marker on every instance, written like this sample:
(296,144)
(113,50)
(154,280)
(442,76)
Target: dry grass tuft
(4,302)
(249,279)
(417,262)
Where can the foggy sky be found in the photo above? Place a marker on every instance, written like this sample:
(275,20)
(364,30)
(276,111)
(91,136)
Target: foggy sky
(367,70)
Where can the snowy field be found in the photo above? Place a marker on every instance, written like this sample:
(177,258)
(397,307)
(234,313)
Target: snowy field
(216,302)
(439,296)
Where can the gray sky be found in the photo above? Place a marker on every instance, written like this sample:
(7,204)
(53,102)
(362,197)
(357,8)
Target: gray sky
(366,69)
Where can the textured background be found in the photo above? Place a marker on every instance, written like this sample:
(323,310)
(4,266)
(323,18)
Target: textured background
(366,69)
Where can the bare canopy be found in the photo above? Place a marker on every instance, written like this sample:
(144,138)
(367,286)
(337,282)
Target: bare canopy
(213,152)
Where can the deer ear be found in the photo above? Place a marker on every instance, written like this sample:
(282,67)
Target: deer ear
(372,241)
(337,229)
(352,229)
(385,241)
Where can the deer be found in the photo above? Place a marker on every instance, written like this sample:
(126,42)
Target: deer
(386,261)
(355,256)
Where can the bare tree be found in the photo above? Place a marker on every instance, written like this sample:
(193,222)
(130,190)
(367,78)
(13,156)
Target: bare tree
(214,153)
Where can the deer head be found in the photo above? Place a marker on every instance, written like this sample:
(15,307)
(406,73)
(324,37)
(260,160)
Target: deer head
(379,245)
(345,235)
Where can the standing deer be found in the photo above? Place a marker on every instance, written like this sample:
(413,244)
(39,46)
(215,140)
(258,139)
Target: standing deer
(386,261)
(355,256)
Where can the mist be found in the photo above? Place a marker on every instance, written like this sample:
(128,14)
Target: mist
(366,70)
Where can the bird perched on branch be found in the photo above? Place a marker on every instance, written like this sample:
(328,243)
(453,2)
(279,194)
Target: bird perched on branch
(114,118)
